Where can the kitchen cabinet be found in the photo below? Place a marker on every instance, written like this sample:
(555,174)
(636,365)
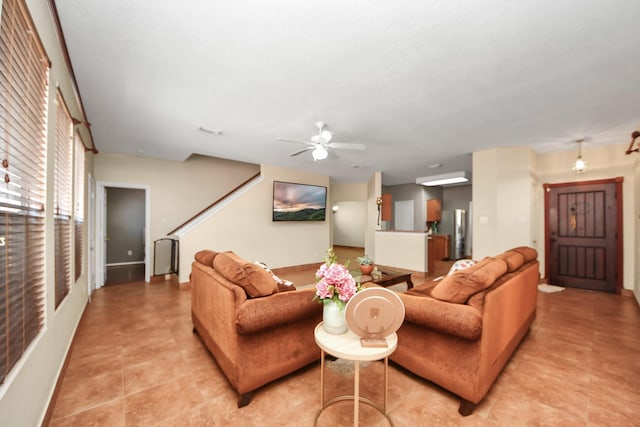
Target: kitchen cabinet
(386,207)
(434,210)
(437,249)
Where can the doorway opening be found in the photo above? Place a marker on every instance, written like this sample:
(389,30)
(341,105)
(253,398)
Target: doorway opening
(123,237)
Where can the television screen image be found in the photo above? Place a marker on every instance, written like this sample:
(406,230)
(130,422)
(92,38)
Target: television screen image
(298,202)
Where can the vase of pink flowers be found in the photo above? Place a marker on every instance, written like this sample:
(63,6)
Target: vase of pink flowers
(334,288)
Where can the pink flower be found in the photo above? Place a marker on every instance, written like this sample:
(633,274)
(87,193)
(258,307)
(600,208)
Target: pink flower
(347,289)
(335,283)
(323,289)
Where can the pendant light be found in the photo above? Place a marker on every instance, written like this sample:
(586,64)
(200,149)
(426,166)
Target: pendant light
(579,165)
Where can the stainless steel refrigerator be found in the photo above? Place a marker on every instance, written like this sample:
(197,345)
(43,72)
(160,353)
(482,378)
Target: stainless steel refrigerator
(454,223)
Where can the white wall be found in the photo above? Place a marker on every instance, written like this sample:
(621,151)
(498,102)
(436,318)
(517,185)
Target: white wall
(25,394)
(402,249)
(349,191)
(246,227)
(503,188)
(349,226)
(603,162)
(349,223)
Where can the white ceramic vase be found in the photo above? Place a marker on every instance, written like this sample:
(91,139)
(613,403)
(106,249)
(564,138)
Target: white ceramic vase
(333,318)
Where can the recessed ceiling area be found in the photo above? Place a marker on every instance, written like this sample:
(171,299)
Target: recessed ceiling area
(419,83)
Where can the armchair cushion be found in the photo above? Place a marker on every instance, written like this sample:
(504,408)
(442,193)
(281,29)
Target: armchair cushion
(255,281)
(455,319)
(255,315)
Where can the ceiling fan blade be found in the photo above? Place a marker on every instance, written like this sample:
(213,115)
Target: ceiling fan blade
(293,140)
(347,146)
(300,151)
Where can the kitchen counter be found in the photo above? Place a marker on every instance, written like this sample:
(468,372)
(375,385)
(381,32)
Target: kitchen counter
(402,248)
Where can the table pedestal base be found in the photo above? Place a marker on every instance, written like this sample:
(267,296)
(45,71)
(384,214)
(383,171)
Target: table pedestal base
(356,396)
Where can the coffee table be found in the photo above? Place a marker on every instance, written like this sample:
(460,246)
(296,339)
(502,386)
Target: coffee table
(384,276)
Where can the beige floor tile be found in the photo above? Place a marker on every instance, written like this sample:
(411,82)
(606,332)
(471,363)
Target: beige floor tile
(156,371)
(81,393)
(109,414)
(168,401)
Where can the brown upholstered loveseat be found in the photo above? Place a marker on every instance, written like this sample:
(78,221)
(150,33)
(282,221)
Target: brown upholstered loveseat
(460,332)
(256,329)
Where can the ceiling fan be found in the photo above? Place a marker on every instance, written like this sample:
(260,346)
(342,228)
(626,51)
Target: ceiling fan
(320,144)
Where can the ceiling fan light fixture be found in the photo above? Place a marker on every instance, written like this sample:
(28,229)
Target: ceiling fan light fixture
(319,153)
(443,179)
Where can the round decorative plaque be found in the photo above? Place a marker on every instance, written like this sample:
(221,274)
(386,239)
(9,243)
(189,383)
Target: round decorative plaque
(373,314)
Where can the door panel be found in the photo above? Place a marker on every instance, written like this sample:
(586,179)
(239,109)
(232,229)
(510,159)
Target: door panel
(582,235)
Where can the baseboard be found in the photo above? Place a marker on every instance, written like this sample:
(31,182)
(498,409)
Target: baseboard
(54,397)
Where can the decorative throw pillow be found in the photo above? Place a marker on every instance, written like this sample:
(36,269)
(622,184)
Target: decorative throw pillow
(283,285)
(253,279)
(461,264)
(461,285)
(456,288)
(513,259)
(489,272)
(205,257)
(528,253)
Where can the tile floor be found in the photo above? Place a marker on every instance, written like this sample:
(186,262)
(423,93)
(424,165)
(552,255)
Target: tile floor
(136,362)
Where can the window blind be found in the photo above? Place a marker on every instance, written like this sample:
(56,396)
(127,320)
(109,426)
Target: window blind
(24,73)
(78,207)
(62,199)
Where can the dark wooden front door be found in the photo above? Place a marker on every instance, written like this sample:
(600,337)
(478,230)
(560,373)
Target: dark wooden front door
(583,228)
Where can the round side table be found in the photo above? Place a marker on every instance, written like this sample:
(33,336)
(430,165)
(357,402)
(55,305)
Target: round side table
(347,346)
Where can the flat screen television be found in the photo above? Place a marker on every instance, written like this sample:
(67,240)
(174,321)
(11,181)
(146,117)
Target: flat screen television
(298,202)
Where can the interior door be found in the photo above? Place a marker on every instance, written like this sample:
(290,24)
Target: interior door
(583,234)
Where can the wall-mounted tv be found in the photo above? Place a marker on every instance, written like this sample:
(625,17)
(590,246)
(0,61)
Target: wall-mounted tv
(298,202)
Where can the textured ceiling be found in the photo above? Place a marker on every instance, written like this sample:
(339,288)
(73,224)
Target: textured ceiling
(417,82)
